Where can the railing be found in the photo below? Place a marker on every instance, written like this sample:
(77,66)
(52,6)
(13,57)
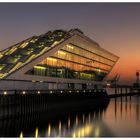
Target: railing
(18,103)
(62,91)
(122,91)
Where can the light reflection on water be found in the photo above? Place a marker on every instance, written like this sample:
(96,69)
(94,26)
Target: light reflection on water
(76,130)
(121,118)
(83,125)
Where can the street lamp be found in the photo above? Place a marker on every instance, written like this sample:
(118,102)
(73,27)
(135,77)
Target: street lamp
(137,78)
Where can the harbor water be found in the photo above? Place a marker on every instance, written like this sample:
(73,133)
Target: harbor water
(120,117)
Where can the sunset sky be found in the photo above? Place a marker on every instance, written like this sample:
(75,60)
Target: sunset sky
(116,27)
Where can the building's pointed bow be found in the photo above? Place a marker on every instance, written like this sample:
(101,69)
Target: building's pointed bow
(87,59)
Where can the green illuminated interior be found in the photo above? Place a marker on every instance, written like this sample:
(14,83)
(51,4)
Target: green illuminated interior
(22,53)
(71,61)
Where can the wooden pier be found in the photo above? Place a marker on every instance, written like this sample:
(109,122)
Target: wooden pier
(17,104)
(124,91)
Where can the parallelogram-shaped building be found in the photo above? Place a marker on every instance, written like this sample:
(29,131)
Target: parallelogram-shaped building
(55,60)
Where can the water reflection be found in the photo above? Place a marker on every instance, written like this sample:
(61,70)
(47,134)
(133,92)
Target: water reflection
(36,133)
(87,124)
(69,122)
(49,130)
(79,128)
(66,123)
(118,118)
(124,119)
(21,135)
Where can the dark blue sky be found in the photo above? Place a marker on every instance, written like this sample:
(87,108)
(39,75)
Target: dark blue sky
(115,27)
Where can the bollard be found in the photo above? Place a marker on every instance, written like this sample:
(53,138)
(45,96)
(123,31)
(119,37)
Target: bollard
(115,90)
(121,90)
(126,90)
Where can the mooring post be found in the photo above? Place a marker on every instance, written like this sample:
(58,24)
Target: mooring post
(126,90)
(115,90)
(130,90)
(121,90)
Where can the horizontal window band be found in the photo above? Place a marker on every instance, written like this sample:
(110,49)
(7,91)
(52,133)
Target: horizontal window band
(92,52)
(86,57)
(78,63)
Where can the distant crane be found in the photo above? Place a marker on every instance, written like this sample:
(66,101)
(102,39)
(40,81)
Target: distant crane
(114,80)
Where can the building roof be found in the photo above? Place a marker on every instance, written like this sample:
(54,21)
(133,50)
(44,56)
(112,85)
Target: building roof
(22,53)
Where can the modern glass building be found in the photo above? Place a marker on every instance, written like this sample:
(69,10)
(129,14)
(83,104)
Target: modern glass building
(55,60)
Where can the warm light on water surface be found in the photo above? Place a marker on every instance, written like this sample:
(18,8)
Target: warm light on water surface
(121,118)
(21,135)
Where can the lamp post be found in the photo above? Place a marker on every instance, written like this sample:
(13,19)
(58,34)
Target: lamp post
(137,78)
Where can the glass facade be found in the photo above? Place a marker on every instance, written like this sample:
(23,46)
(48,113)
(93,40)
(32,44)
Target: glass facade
(22,53)
(88,61)
(75,62)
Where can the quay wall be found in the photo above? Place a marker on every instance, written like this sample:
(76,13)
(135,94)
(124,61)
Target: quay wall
(20,104)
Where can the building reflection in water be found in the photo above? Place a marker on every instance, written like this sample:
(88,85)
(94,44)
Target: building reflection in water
(21,135)
(120,118)
(79,128)
(83,125)
(69,122)
(36,133)
(49,130)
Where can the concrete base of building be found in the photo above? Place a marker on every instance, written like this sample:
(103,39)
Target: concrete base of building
(33,85)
